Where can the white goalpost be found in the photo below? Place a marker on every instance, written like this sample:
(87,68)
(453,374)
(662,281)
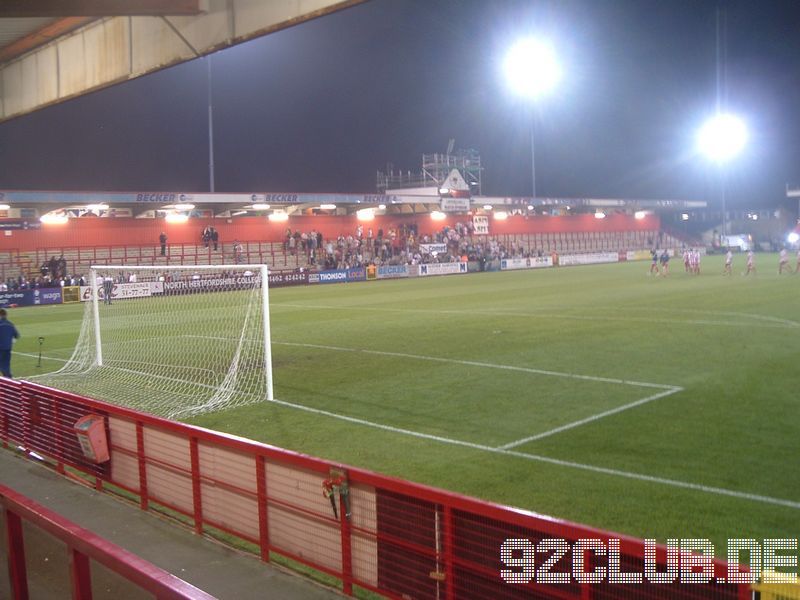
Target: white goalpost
(176,341)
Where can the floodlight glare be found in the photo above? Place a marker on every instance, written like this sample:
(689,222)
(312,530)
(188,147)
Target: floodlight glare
(184,206)
(260,206)
(640,214)
(438,215)
(793,237)
(531,68)
(722,137)
(501,215)
(599,215)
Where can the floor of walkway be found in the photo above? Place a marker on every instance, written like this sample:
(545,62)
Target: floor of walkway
(210,566)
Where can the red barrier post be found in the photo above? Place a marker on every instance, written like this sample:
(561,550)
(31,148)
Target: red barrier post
(80,575)
(16,556)
(263,509)
(448,541)
(197,492)
(347,553)
(144,499)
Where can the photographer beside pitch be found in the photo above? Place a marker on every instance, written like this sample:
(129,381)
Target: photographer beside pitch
(8,333)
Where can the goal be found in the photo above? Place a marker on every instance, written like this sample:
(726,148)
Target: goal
(174,341)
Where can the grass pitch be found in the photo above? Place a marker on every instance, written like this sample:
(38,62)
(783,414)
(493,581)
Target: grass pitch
(658,407)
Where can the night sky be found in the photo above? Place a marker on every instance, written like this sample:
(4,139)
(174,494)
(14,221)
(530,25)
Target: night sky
(322,106)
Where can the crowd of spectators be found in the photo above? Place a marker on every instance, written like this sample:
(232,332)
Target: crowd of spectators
(397,246)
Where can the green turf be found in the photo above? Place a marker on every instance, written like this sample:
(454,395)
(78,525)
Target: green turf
(461,358)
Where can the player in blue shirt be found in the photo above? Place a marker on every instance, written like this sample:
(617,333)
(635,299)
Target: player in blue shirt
(8,333)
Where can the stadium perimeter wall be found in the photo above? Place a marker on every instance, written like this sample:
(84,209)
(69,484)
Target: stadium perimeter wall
(95,231)
(393,537)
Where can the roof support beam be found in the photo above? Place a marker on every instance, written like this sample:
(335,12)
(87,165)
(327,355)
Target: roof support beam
(97,8)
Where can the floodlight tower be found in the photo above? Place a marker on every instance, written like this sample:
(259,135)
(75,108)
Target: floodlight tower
(721,139)
(532,70)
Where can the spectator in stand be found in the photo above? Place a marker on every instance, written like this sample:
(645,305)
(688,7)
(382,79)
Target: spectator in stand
(214,237)
(205,236)
(238,252)
(108,288)
(162,240)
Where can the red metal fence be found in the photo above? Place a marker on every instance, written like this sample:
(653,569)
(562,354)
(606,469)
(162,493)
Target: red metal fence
(83,549)
(396,538)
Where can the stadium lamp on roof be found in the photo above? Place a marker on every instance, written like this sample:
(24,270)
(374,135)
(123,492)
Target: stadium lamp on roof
(260,206)
(438,215)
(54,219)
(97,206)
(184,206)
(722,137)
(531,68)
(500,215)
(640,214)
(279,216)
(176,218)
(365,214)
(5,206)
(327,207)
(599,215)
(381,207)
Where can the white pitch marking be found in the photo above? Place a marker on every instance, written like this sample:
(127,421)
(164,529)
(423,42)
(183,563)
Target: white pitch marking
(43,356)
(669,389)
(472,363)
(469,363)
(554,461)
(590,419)
(540,315)
(535,457)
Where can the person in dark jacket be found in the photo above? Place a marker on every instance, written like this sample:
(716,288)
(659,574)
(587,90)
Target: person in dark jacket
(8,333)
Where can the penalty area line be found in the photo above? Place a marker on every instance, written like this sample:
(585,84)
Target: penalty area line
(552,461)
(589,419)
(535,457)
(468,363)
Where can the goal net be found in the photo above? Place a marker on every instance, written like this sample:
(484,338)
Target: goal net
(173,341)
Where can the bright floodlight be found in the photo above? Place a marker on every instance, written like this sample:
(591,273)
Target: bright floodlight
(793,237)
(722,137)
(531,68)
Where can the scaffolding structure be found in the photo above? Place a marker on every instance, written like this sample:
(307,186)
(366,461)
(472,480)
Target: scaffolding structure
(435,170)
